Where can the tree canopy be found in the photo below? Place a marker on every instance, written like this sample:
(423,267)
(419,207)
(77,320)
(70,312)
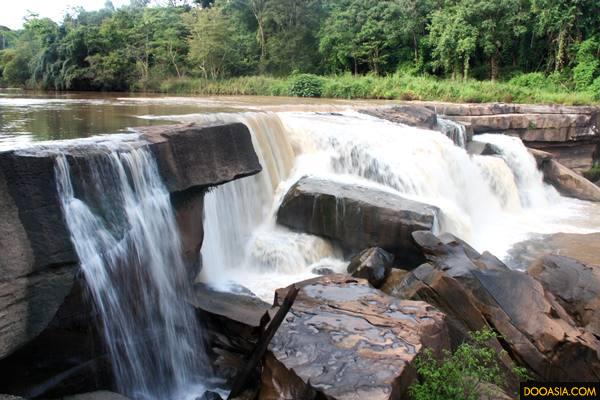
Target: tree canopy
(134,46)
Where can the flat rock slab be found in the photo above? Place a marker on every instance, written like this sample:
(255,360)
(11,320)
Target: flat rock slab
(357,216)
(202,156)
(343,339)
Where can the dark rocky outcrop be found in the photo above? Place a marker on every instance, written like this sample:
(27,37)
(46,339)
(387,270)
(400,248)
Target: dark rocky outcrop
(537,332)
(38,264)
(342,339)
(566,181)
(37,260)
(100,395)
(357,217)
(373,264)
(232,324)
(576,287)
(193,156)
(412,115)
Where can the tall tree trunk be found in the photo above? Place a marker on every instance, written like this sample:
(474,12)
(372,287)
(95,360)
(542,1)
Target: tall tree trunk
(466,69)
(494,67)
(559,62)
(416,46)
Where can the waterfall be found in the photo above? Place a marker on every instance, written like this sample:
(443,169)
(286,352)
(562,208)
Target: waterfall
(489,201)
(454,131)
(532,190)
(124,231)
(241,237)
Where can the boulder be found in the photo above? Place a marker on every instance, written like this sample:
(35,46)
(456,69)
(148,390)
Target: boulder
(227,154)
(232,326)
(357,217)
(343,339)
(568,182)
(428,284)
(583,247)
(576,287)
(407,114)
(373,264)
(537,331)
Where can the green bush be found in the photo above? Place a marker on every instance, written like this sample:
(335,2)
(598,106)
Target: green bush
(593,174)
(466,374)
(533,80)
(306,85)
(588,66)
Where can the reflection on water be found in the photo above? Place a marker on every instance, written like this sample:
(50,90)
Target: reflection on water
(30,116)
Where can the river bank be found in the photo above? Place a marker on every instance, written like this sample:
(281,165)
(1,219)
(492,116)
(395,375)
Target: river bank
(392,87)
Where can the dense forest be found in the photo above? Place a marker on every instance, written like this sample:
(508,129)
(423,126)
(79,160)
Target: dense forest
(550,43)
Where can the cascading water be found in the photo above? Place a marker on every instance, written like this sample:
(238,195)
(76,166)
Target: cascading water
(130,253)
(533,192)
(454,131)
(491,202)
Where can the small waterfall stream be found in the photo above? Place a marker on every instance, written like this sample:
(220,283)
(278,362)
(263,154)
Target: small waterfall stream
(130,252)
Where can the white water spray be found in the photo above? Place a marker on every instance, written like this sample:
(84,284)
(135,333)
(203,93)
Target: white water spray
(130,252)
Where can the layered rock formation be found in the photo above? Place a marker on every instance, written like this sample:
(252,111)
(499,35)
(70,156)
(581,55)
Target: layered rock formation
(357,217)
(38,263)
(571,134)
(345,340)
(477,290)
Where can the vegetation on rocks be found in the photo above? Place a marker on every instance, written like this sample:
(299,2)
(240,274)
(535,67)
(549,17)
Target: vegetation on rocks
(456,50)
(471,372)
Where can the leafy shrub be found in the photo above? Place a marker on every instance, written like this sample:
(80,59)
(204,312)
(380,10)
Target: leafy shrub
(465,374)
(306,85)
(533,80)
(593,174)
(588,66)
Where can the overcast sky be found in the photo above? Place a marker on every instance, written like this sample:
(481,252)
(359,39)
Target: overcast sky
(13,11)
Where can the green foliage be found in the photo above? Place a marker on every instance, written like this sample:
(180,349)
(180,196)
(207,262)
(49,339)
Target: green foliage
(593,174)
(532,80)
(306,85)
(393,49)
(588,64)
(465,374)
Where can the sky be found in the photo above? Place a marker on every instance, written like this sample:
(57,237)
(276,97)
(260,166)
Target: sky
(13,11)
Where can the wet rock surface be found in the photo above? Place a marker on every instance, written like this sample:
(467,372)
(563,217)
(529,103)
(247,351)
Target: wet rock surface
(568,182)
(357,217)
(575,285)
(537,331)
(373,264)
(583,247)
(412,115)
(227,154)
(345,340)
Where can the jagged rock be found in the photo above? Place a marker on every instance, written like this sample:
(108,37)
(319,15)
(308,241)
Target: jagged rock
(536,329)
(576,287)
(412,115)
(322,271)
(227,154)
(210,396)
(342,339)
(373,264)
(357,217)
(568,182)
(393,280)
(232,325)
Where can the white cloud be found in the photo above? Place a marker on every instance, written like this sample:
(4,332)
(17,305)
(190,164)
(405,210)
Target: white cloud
(13,11)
